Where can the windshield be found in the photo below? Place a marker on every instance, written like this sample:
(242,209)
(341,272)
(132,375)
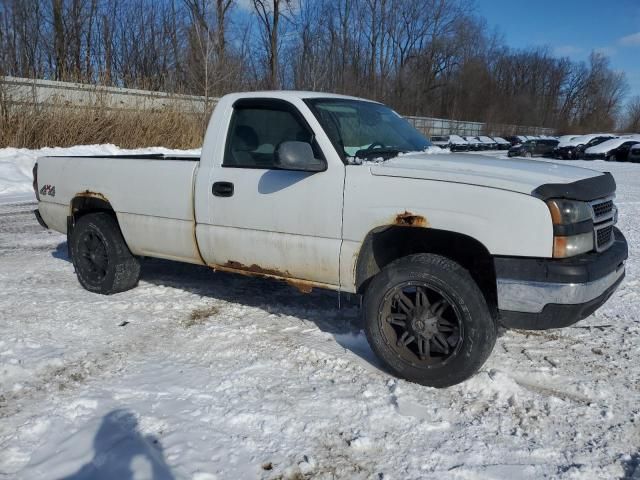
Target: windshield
(366,129)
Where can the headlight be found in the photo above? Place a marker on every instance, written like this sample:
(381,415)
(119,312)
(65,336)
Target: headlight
(572,245)
(565,212)
(572,227)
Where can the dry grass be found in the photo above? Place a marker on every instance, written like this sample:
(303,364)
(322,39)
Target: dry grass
(60,126)
(200,315)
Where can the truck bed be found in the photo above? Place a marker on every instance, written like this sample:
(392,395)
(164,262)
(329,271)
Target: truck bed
(151,194)
(136,156)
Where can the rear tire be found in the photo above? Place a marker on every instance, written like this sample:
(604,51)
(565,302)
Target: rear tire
(101,258)
(428,321)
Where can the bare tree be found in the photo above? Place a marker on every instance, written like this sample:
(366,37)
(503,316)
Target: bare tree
(423,57)
(632,117)
(270,13)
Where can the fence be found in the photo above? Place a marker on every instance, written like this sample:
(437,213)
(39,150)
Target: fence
(440,126)
(22,91)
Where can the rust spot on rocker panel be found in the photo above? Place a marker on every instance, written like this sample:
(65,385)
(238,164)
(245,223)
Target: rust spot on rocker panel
(304,286)
(255,269)
(408,219)
(301,285)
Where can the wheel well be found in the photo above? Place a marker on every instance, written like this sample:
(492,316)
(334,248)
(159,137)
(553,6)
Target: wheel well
(84,204)
(89,203)
(384,245)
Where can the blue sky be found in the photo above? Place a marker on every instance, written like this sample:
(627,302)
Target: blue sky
(573,28)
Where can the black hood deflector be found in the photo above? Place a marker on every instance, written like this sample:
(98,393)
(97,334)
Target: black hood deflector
(583,190)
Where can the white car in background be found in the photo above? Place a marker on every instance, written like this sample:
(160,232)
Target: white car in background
(566,139)
(474,143)
(455,143)
(488,143)
(613,150)
(574,148)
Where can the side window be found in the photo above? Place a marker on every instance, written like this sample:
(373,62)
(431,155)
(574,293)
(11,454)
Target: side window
(255,134)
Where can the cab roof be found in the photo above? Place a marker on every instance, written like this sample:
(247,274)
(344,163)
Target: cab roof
(292,95)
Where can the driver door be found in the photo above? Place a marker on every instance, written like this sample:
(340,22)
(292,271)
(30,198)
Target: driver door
(266,220)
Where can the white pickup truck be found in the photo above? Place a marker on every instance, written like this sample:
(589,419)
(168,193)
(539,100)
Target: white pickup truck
(342,193)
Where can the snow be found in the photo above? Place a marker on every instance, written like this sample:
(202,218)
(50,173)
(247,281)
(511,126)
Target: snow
(201,375)
(16,165)
(582,139)
(609,145)
(564,139)
(457,139)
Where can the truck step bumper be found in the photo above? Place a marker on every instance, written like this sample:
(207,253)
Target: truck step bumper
(538,294)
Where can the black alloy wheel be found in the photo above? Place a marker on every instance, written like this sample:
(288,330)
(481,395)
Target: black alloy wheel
(92,256)
(421,324)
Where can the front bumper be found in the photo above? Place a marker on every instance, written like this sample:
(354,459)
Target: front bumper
(459,148)
(537,294)
(565,153)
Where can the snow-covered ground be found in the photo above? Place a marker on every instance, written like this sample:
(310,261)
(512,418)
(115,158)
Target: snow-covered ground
(196,375)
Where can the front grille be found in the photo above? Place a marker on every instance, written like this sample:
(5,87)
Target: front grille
(604,237)
(604,219)
(602,209)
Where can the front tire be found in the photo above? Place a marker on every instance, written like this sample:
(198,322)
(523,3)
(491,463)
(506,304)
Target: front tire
(101,258)
(428,321)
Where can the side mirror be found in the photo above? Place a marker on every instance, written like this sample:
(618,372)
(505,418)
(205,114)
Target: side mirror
(298,156)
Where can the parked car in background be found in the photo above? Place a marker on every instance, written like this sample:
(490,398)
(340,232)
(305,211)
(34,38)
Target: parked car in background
(516,139)
(612,150)
(565,139)
(455,143)
(533,148)
(488,142)
(474,143)
(581,149)
(634,154)
(502,143)
(570,149)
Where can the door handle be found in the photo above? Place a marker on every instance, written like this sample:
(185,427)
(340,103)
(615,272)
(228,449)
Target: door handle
(222,189)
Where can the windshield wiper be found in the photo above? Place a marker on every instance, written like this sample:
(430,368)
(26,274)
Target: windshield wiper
(383,152)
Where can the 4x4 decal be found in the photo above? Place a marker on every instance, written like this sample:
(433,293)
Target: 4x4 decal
(48,190)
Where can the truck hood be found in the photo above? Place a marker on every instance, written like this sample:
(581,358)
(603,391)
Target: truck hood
(519,175)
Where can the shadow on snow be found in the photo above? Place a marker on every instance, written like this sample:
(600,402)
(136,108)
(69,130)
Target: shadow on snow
(122,452)
(273,296)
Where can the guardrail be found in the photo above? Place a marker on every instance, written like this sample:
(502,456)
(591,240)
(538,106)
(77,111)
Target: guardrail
(24,91)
